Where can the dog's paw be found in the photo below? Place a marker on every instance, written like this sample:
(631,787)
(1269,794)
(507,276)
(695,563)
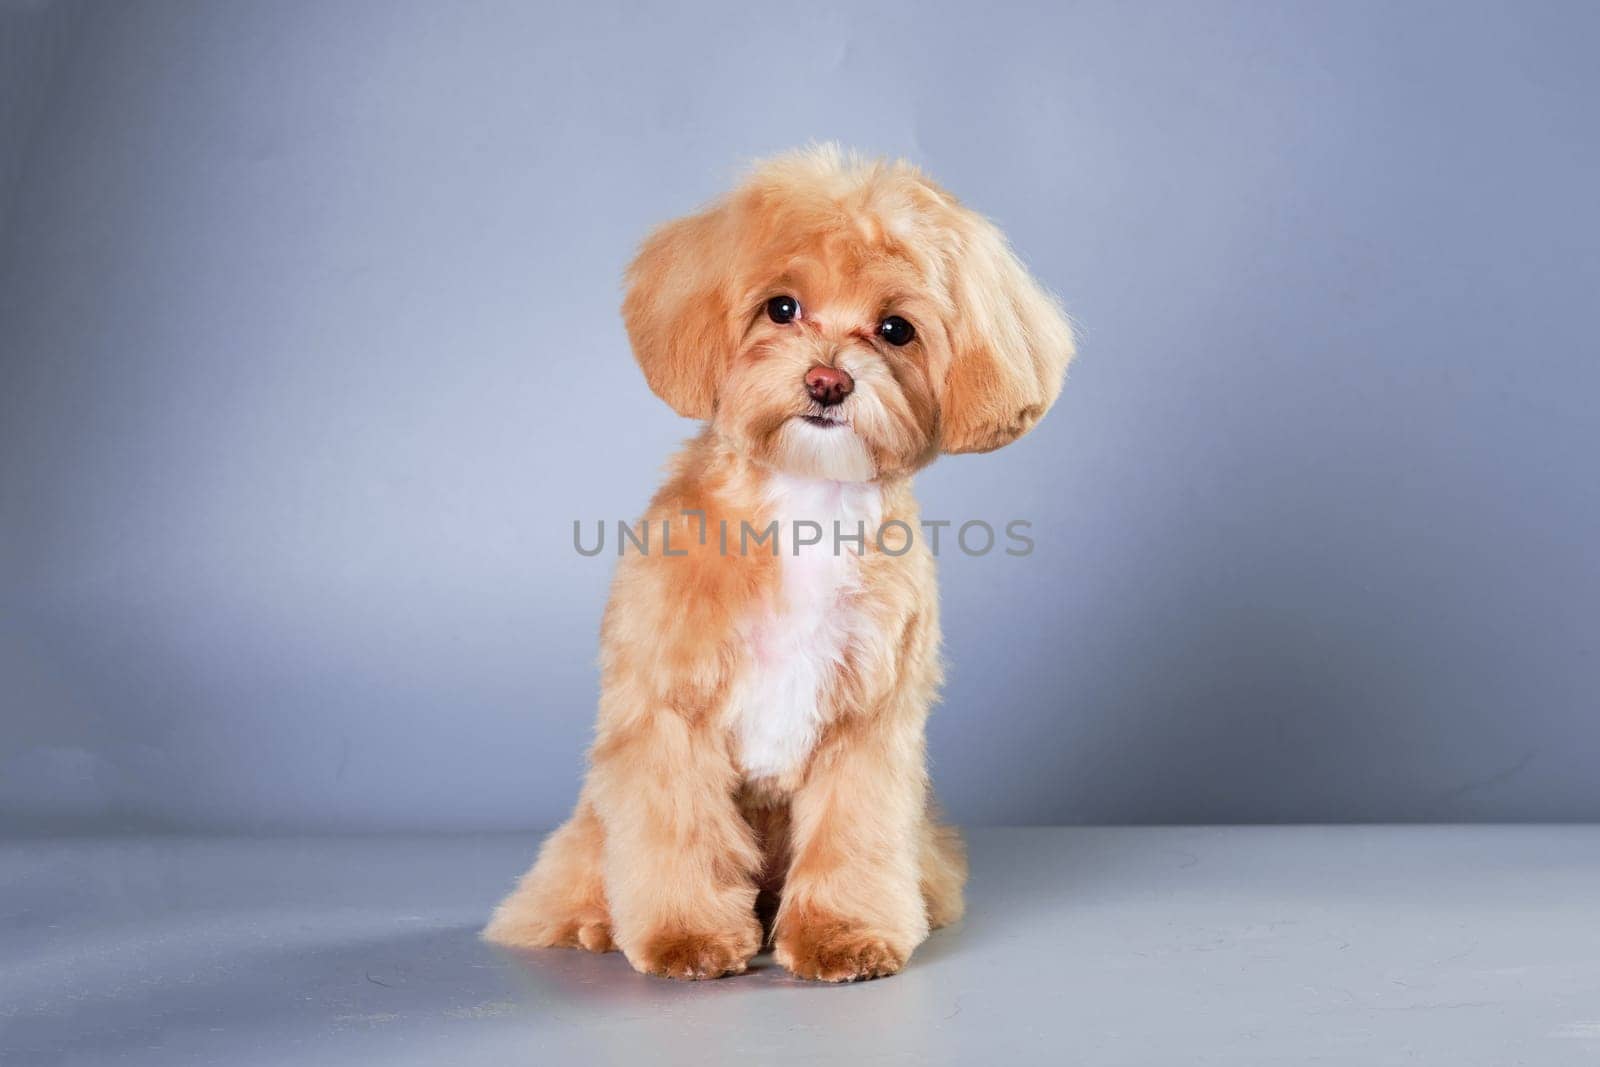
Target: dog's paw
(827,949)
(532,931)
(692,956)
(595,936)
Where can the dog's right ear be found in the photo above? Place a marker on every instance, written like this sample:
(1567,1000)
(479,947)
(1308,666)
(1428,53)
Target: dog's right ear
(678,309)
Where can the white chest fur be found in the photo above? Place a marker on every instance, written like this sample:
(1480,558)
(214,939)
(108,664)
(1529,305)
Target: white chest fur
(796,644)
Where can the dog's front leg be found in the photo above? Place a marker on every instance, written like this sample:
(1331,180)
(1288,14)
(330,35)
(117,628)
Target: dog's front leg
(852,904)
(679,860)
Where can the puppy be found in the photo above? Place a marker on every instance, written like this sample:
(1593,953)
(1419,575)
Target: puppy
(759,756)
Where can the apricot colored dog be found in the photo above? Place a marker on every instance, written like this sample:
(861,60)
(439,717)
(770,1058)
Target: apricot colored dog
(758,764)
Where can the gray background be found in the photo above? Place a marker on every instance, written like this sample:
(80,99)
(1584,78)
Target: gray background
(310,358)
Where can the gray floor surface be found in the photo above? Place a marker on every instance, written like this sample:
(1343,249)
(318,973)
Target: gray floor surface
(1343,945)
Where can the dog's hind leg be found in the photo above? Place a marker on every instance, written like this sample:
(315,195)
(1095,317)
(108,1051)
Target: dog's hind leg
(561,901)
(944,873)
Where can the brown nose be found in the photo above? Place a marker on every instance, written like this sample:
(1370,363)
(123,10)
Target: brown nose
(828,385)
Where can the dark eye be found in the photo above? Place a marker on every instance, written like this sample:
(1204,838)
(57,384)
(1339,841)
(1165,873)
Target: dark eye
(783,309)
(896,331)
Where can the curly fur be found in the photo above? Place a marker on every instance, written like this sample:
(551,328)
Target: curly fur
(759,752)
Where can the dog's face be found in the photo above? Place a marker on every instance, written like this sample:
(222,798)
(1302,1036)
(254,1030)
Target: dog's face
(845,320)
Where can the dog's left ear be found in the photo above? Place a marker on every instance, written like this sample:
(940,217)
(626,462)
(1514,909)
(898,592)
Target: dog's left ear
(678,309)
(1010,343)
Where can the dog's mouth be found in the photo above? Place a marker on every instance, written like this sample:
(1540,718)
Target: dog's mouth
(825,422)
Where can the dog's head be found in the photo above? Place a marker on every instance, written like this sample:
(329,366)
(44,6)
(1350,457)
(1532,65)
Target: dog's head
(843,319)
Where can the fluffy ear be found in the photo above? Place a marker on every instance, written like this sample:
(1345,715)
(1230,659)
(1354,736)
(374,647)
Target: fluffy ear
(678,310)
(1010,344)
